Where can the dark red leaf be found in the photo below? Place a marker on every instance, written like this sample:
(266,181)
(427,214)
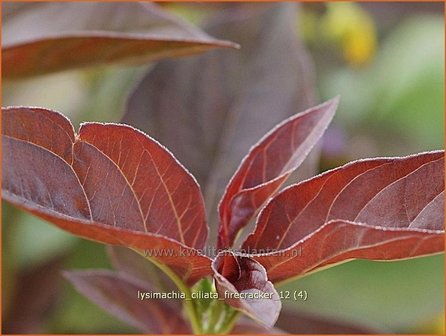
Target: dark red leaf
(209,110)
(44,37)
(237,275)
(118,295)
(267,166)
(110,183)
(379,209)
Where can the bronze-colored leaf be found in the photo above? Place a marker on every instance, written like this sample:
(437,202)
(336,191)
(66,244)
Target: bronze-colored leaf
(110,183)
(44,37)
(266,167)
(123,297)
(209,110)
(243,283)
(379,209)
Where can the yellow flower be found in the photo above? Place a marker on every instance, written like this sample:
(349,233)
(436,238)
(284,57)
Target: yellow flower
(349,26)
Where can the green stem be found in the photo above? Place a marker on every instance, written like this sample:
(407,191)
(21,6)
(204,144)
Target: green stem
(229,324)
(188,303)
(215,317)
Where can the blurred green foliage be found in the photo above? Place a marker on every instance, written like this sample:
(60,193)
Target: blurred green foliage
(385,295)
(398,100)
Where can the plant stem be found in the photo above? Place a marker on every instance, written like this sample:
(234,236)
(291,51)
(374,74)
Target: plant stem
(229,324)
(188,303)
(215,317)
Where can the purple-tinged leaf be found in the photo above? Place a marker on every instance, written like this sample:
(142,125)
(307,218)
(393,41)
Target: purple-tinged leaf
(43,37)
(243,283)
(110,183)
(38,286)
(267,166)
(299,322)
(378,209)
(247,326)
(120,296)
(236,96)
(127,261)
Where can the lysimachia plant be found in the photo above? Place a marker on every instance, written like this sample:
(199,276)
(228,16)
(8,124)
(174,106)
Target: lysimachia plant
(114,184)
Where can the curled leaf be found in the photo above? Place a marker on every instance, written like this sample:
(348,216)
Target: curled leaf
(267,166)
(379,209)
(110,183)
(39,38)
(243,283)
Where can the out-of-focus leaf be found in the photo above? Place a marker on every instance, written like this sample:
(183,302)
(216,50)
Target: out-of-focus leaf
(34,295)
(118,295)
(410,290)
(44,37)
(236,275)
(266,167)
(210,109)
(296,322)
(129,262)
(110,183)
(379,209)
(247,326)
(387,14)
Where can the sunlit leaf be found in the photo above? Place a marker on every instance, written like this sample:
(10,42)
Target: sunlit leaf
(110,183)
(379,209)
(267,166)
(210,110)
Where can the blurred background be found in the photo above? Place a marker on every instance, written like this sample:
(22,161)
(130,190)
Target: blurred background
(386,60)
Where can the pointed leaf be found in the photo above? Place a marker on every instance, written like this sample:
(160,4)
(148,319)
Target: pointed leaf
(40,38)
(236,96)
(379,209)
(119,295)
(237,277)
(267,166)
(110,183)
